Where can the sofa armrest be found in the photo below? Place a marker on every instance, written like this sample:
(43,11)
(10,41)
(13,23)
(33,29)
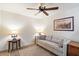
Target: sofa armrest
(65,46)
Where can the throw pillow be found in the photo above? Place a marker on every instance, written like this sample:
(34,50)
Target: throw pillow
(49,38)
(42,37)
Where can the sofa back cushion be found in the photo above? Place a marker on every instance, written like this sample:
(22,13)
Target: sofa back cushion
(49,38)
(42,37)
(58,41)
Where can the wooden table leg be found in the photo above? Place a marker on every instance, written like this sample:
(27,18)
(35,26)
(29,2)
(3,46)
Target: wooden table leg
(8,46)
(12,46)
(16,45)
(19,44)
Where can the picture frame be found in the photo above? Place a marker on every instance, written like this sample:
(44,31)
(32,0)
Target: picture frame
(64,24)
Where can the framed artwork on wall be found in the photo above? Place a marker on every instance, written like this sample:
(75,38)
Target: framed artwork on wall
(64,24)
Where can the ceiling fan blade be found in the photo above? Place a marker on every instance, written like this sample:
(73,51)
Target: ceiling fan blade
(52,8)
(45,12)
(37,12)
(32,9)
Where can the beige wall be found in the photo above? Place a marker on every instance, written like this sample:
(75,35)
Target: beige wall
(25,26)
(72,35)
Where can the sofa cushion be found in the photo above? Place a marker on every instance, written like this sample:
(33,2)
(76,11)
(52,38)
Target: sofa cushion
(50,44)
(58,41)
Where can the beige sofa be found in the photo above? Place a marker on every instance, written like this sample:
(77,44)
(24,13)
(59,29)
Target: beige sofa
(54,47)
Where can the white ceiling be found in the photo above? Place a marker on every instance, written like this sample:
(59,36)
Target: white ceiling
(20,8)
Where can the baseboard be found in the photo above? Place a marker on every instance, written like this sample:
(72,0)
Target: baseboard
(20,48)
(3,51)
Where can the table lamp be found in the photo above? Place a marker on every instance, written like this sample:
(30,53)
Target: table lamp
(14,36)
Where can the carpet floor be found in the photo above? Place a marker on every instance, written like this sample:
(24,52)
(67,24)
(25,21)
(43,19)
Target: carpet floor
(33,50)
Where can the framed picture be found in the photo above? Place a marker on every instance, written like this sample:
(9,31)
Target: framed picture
(64,24)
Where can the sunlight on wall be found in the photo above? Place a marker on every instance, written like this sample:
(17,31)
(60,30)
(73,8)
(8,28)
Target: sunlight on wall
(14,28)
(39,28)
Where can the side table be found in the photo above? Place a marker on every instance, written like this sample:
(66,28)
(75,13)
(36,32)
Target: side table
(73,48)
(13,43)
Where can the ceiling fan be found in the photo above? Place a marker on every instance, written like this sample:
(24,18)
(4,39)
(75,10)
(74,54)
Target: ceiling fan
(43,9)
